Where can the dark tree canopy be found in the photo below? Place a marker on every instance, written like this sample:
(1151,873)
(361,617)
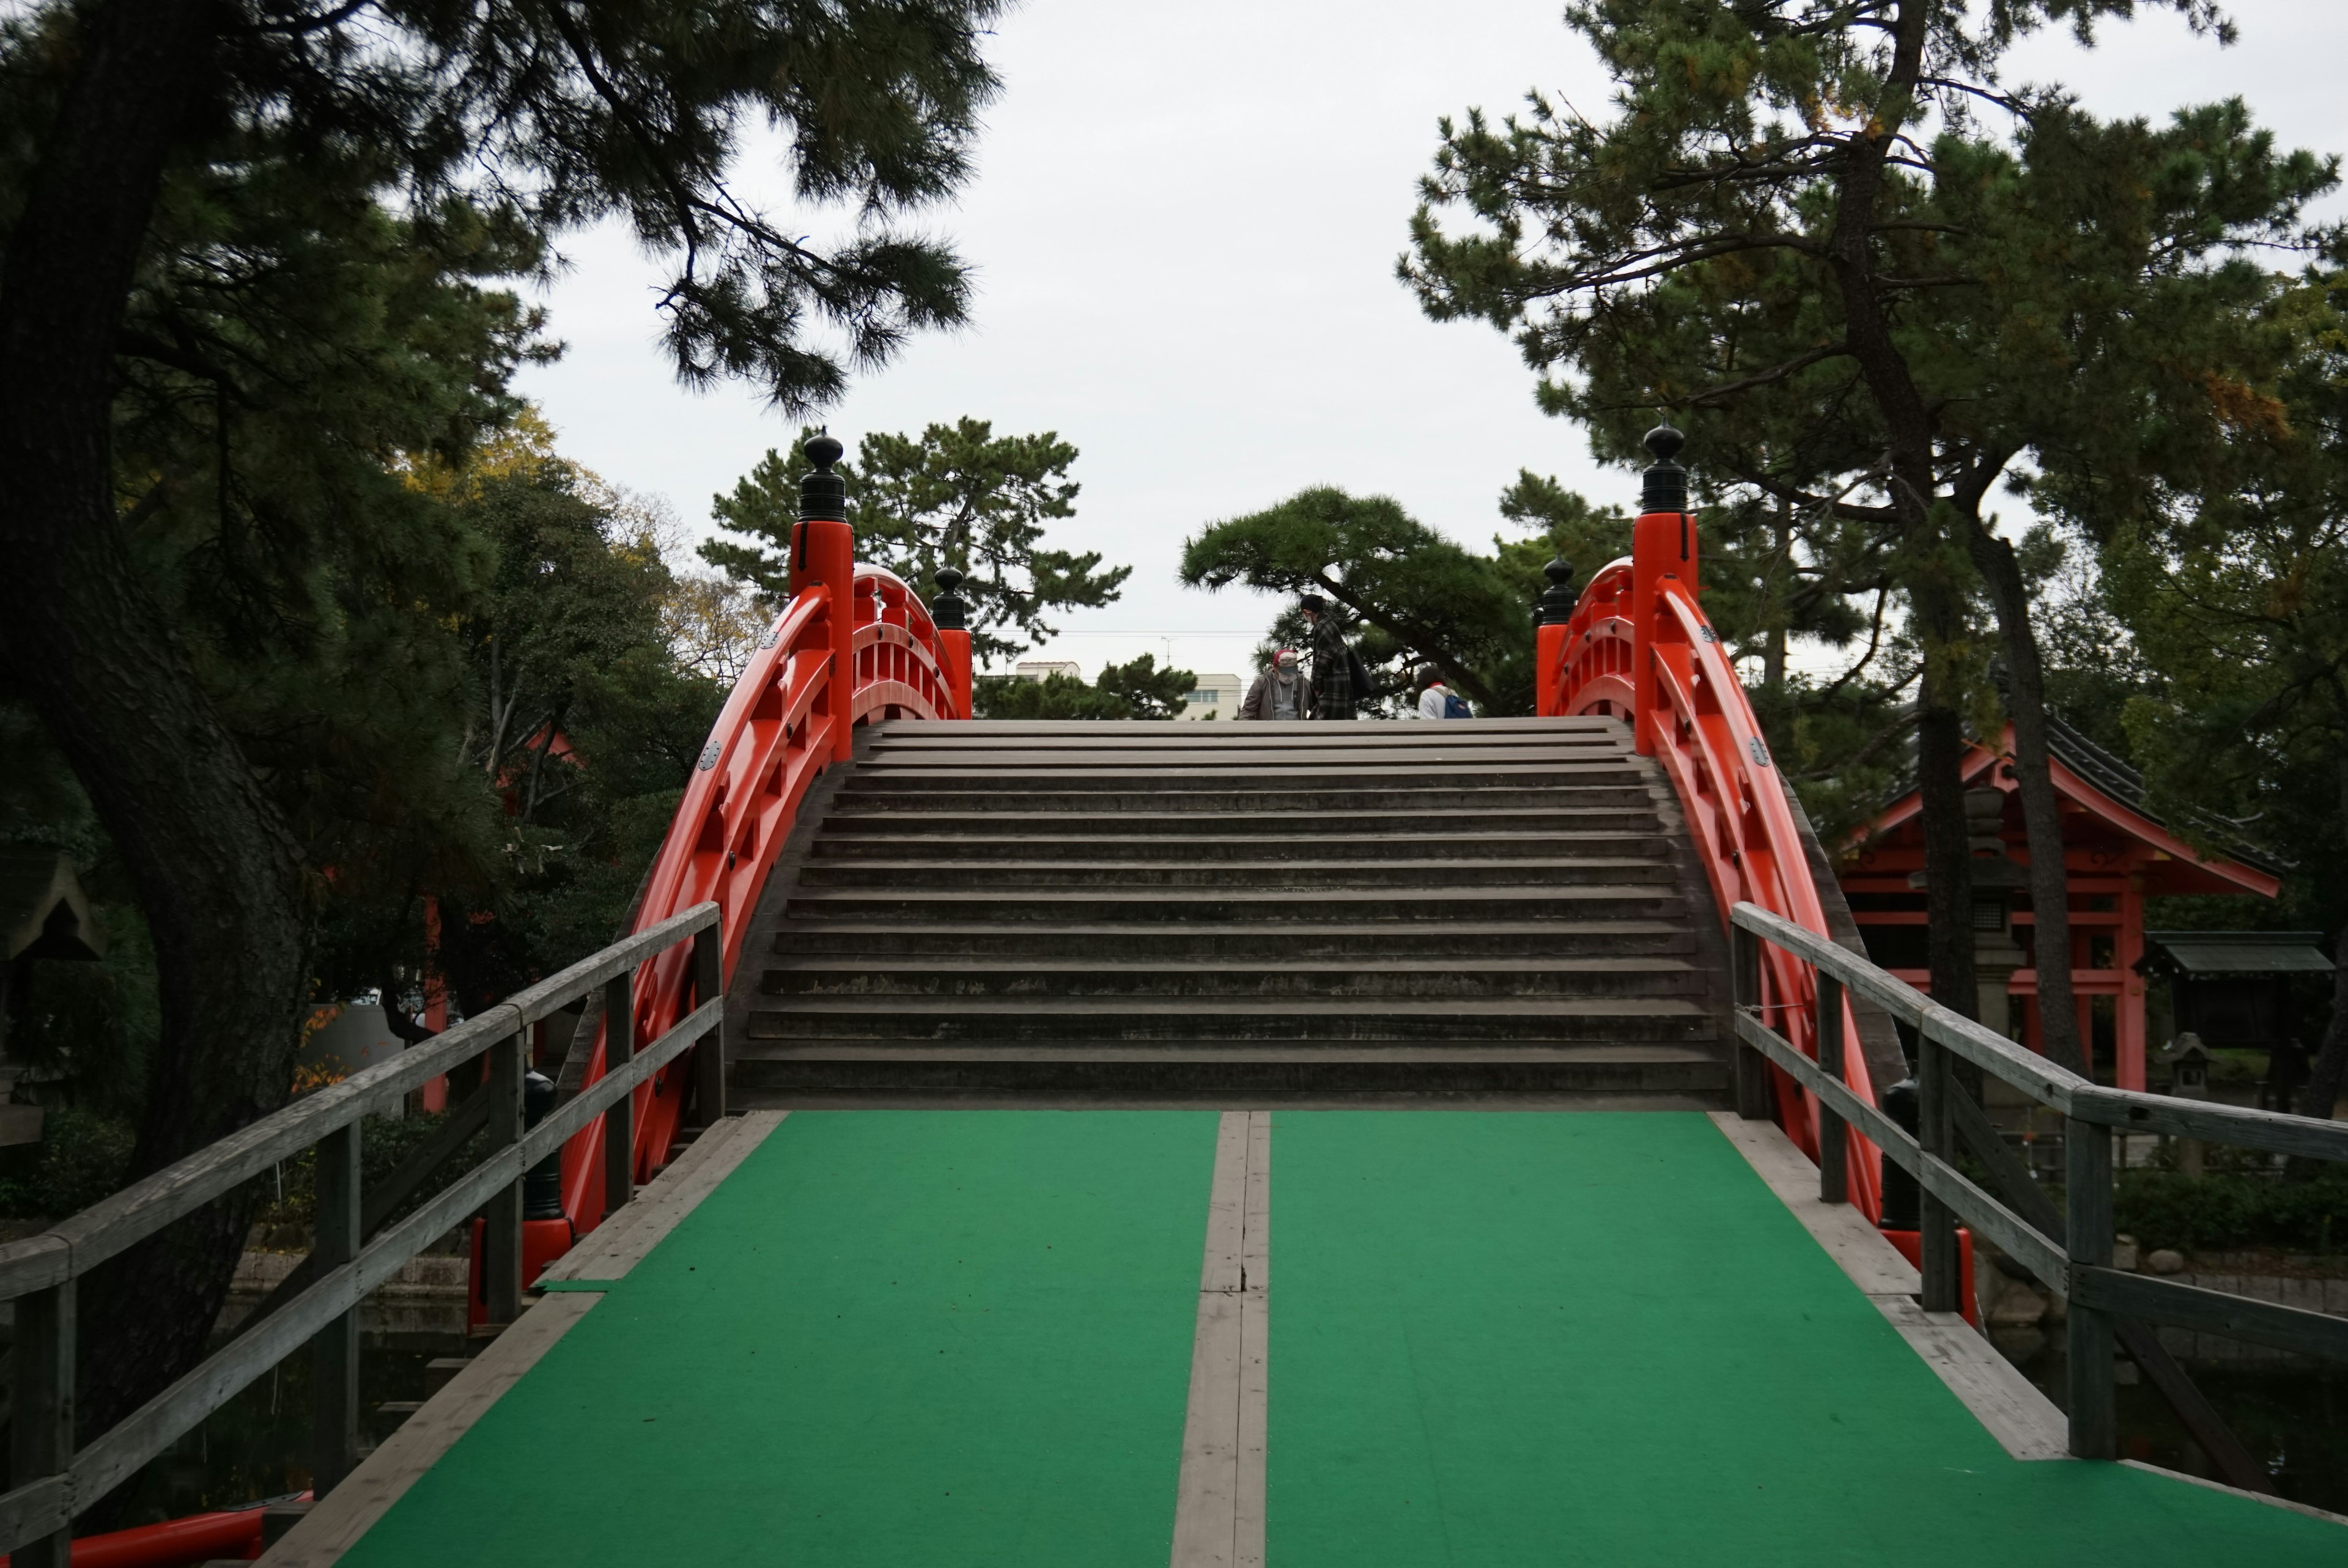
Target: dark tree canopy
(251,268)
(1879,283)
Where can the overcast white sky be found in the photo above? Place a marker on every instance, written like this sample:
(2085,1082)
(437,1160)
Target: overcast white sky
(1185,224)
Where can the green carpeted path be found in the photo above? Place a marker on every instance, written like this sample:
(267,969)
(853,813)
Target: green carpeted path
(901,1337)
(1518,1339)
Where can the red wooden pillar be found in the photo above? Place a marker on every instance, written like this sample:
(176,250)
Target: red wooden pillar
(823,554)
(950,615)
(2127,1011)
(1663,544)
(1548,670)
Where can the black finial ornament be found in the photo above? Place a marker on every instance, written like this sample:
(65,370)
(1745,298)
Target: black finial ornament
(1556,604)
(949,612)
(823,495)
(1665,488)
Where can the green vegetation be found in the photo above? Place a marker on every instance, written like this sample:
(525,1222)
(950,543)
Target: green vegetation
(1137,690)
(960,497)
(1880,285)
(2169,1208)
(255,270)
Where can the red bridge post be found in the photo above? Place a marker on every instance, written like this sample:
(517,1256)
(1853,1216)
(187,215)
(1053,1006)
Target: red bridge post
(824,554)
(1663,545)
(950,613)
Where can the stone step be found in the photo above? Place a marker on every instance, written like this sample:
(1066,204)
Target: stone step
(1165,779)
(1237,941)
(869,830)
(883,765)
(1692,1080)
(1194,906)
(1391,872)
(1430,799)
(1176,848)
(1088,1023)
(1190,739)
(1481,979)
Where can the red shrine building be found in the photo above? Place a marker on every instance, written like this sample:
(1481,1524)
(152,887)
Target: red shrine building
(2118,855)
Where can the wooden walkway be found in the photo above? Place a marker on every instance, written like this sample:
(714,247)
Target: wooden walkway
(1043,1337)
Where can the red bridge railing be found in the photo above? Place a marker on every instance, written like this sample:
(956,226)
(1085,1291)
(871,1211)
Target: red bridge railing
(856,643)
(1639,648)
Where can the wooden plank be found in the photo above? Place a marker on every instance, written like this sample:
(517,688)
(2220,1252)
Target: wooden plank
(1219,1511)
(36,1517)
(339,1519)
(623,1240)
(1990,1050)
(1858,1249)
(2275,1132)
(2087,1240)
(104,1229)
(350,1510)
(2206,1311)
(2024,1422)
(2036,1252)
(2269,1498)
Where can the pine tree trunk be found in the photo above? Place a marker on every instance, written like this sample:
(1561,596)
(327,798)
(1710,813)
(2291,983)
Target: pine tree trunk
(2042,814)
(218,873)
(1948,858)
(1936,602)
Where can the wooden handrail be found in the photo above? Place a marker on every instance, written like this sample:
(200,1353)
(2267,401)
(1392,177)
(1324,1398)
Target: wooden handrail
(39,1273)
(2078,1264)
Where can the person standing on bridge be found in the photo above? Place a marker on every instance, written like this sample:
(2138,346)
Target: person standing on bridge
(1333,664)
(1436,700)
(1282,692)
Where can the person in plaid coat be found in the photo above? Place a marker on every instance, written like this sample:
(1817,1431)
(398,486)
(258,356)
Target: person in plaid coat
(1332,663)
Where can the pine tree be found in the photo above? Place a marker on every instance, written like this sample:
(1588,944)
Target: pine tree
(959,496)
(1872,278)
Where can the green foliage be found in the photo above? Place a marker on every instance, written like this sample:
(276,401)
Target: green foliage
(959,496)
(81,1158)
(2169,1208)
(1875,283)
(1418,596)
(1135,690)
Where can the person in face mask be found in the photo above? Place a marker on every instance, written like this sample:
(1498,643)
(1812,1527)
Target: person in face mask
(1282,692)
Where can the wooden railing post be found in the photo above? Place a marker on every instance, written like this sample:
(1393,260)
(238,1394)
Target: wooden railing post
(42,1412)
(334,1350)
(1834,1164)
(620,1118)
(1752,1070)
(709,1055)
(2087,1234)
(1936,1223)
(501,1242)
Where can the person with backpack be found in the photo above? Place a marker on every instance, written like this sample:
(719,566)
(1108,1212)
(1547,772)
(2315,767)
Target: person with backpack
(1437,701)
(1282,692)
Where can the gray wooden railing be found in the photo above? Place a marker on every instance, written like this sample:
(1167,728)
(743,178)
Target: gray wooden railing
(2076,1262)
(53,1479)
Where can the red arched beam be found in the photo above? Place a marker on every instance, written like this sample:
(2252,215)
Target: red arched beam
(1638,625)
(782,726)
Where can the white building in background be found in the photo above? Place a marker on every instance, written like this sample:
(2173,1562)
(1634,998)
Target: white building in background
(1037,669)
(1214,697)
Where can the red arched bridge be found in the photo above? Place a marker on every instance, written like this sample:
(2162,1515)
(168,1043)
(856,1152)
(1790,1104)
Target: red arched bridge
(916,1154)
